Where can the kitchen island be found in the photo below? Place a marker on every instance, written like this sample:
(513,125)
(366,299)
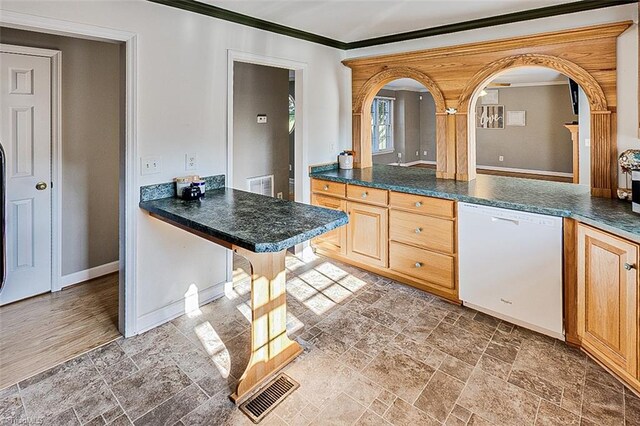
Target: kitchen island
(260,229)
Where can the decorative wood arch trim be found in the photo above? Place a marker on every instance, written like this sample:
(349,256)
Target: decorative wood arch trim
(377,81)
(593,90)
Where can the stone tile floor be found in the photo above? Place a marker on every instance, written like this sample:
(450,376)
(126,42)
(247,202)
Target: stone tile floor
(376,352)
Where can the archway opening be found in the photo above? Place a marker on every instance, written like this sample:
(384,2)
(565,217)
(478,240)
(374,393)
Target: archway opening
(403,124)
(531,122)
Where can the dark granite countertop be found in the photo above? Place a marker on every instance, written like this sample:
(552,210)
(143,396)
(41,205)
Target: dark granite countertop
(254,222)
(536,196)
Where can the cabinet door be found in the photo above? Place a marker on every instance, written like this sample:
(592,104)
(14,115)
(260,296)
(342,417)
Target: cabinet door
(334,240)
(367,234)
(608,299)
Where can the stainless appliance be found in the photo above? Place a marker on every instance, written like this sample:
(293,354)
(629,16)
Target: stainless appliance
(3,245)
(635,191)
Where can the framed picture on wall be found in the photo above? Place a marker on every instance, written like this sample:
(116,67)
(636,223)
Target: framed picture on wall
(516,118)
(490,117)
(490,98)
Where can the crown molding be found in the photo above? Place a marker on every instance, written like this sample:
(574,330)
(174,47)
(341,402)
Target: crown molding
(525,15)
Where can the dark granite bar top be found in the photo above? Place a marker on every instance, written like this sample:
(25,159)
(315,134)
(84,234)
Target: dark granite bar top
(254,222)
(536,196)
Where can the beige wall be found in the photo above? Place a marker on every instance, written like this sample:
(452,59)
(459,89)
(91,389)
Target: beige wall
(261,149)
(543,144)
(90,146)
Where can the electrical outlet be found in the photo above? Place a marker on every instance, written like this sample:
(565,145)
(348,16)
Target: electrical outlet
(399,155)
(417,153)
(424,153)
(262,118)
(150,165)
(501,158)
(290,167)
(190,161)
(587,142)
(279,195)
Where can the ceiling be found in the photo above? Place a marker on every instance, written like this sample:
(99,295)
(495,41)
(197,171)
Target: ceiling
(350,21)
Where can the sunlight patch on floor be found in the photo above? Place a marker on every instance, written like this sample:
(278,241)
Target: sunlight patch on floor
(215,347)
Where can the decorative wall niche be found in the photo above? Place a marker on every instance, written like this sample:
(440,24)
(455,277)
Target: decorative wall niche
(454,76)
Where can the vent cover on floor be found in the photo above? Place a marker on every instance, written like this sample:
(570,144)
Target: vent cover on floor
(268,398)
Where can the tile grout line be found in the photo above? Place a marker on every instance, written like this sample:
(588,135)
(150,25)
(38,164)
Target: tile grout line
(124,412)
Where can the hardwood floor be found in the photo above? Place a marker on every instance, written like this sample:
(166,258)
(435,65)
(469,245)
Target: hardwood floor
(43,331)
(511,174)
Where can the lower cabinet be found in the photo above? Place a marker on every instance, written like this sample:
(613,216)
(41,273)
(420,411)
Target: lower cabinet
(335,240)
(367,234)
(607,301)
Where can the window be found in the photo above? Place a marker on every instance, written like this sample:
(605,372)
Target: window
(292,114)
(382,124)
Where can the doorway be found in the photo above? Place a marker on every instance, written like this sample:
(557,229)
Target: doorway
(64,137)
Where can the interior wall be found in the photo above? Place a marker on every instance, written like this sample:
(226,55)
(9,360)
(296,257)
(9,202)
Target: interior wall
(182,108)
(626,67)
(90,145)
(427,127)
(261,149)
(543,144)
(407,131)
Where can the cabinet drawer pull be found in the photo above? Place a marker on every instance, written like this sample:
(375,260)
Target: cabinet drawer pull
(418,204)
(418,265)
(326,187)
(629,266)
(418,230)
(364,194)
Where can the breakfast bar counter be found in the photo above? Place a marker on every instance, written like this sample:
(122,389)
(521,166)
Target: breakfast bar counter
(260,229)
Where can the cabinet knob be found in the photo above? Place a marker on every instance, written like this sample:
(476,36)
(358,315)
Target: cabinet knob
(364,195)
(418,265)
(326,187)
(629,266)
(418,230)
(418,204)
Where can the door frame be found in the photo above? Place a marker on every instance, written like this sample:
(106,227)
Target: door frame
(56,151)
(129,190)
(301,161)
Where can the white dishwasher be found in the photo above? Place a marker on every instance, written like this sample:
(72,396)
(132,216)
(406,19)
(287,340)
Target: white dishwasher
(510,266)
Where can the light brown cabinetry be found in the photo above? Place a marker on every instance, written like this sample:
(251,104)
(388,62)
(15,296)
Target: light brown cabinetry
(406,237)
(607,301)
(367,233)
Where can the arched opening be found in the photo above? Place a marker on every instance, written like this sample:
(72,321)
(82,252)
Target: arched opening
(403,125)
(363,123)
(603,171)
(531,122)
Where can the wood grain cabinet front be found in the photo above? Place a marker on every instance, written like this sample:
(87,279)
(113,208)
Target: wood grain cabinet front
(328,188)
(367,195)
(335,240)
(423,231)
(433,269)
(367,234)
(607,299)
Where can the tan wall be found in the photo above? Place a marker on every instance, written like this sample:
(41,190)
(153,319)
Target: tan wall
(261,149)
(91,127)
(543,144)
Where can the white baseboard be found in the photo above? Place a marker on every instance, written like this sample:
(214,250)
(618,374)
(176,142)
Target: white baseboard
(527,171)
(173,310)
(89,274)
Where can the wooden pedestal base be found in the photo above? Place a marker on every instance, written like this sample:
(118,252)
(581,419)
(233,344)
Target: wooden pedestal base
(271,348)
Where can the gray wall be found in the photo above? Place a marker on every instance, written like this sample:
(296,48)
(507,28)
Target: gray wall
(91,125)
(543,144)
(261,149)
(413,127)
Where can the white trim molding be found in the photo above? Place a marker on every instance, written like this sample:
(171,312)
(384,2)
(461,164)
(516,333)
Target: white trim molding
(129,190)
(89,274)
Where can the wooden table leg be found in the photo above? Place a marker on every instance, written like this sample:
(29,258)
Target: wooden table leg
(271,348)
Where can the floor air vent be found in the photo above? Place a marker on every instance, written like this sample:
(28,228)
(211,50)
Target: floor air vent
(268,398)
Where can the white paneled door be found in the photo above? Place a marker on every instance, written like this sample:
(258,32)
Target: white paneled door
(25,120)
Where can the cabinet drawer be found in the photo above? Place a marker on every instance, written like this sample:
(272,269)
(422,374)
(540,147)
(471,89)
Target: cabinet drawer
(328,202)
(367,195)
(435,268)
(426,231)
(335,239)
(327,187)
(422,204)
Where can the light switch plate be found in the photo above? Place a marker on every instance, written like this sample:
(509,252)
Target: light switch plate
(150,165)
(262,119)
